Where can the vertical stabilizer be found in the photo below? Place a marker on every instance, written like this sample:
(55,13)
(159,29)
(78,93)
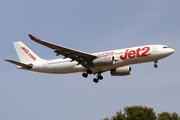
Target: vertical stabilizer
(24,53)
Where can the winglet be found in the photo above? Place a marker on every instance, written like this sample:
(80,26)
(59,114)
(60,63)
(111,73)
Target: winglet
(32,37)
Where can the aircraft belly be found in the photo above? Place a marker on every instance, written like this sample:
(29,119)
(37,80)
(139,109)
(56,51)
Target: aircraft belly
(69,67)
(137,60)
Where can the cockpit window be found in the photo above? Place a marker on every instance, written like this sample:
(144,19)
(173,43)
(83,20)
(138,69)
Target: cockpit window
(165,47)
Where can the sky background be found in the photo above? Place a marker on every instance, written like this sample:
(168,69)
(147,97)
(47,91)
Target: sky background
(89,26)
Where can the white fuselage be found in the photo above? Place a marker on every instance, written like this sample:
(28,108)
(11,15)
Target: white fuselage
(123,57)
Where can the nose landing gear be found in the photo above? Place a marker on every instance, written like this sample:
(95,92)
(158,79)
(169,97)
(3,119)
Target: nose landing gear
(155,63)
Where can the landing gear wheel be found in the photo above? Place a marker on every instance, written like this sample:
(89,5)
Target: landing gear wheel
(85,75)
(89,72)
(156,61)
(99,77)
(95,80)
(155,65)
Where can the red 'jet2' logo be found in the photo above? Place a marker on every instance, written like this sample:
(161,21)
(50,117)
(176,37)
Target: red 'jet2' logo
(135,53)
(28,53)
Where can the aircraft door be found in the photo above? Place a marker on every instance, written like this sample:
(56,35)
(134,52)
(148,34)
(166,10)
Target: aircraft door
(154,48)
(45,64)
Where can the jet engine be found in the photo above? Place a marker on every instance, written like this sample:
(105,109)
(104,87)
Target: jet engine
(121,71)
(102,61)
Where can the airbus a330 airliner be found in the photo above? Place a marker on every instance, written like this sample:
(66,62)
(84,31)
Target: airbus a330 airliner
(115,61)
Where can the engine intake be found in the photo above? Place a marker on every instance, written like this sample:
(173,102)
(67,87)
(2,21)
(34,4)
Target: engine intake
(121,71)
(102,61)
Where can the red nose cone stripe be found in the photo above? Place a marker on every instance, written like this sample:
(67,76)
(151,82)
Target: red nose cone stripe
(32,37)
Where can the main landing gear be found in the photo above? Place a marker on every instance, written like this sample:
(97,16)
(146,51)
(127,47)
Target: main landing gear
(96,80)
(155,63)
(98,77)
(85,75)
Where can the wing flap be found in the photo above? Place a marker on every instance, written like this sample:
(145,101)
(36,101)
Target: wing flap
(19,64)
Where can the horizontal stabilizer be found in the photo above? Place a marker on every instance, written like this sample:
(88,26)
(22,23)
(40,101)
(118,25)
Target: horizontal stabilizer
(20,64)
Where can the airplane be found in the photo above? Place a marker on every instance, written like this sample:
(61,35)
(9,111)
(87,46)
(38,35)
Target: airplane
(115,61)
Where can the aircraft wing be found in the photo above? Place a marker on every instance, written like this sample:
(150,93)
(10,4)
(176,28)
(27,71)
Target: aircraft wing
(82,58)
(19,64)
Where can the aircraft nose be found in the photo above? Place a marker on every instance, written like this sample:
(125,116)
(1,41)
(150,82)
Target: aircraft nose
(171,51)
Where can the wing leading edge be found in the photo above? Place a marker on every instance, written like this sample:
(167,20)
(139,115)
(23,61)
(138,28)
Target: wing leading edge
(82,58)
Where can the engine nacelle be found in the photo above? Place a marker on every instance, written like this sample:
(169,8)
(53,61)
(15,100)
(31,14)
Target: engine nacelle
(102,61)
(121,71)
